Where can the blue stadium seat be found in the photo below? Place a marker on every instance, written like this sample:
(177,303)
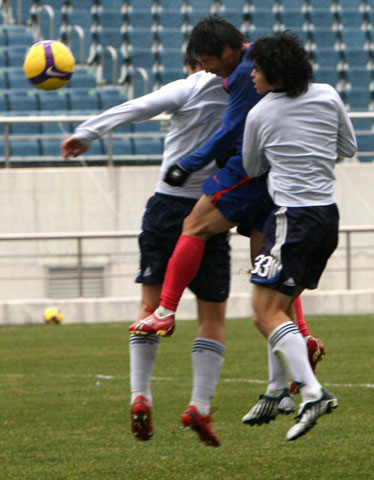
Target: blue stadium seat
(322,4)
(109,97)
(360,77)
(109,36)
(16,78)
(3,57)
(15,55)
(171,19)
(266,5)
(171,37)
(326,75)
(236,17)
(148,146)
(55,101)
(169,5)
(123,147)
(351,18)
(3,102)
(321,18)
(16,35)
(365,143)
(327,57)
(171,58)
(24,103)
(356,57)
(81,17)
(142,58)
(358,98)
(354,37)
(263,19)
(324,37)
(83,77)
(2,37)
(140,18)
(291,5)
(84,100)
(293,19)
(84,4)
(109,18)
(25,148)
(51,148)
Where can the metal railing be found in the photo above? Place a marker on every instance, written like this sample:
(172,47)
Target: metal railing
(80,237)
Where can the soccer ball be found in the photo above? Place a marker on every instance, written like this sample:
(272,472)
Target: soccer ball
(53,316)
(49,64)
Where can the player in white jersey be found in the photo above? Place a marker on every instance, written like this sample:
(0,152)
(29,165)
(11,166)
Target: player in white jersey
(296,132)
(197,105)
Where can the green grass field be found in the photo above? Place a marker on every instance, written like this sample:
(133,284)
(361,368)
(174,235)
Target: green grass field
(65,408)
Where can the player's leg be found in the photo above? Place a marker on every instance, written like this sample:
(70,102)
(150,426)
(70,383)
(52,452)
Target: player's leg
(207,360)
(143,352)
(204,222)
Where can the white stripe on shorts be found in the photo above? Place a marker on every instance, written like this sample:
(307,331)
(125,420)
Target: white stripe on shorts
(280,233)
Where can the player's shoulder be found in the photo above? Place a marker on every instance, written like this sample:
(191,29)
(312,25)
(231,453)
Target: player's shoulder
(322,88)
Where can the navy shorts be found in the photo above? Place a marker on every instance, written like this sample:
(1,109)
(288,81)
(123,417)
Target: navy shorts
(161,227)
(244,201)
(297,242)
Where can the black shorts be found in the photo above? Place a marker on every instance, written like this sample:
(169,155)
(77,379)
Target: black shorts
(297,242)
(161,227)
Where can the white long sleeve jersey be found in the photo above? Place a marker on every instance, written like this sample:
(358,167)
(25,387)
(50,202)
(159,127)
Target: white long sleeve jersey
(197,105)
(300,140)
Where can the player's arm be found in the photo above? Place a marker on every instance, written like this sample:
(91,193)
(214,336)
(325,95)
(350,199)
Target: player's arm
(243,97)
(347,143)
(168,98)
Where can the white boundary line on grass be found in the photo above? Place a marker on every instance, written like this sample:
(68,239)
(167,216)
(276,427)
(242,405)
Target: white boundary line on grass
(175,379)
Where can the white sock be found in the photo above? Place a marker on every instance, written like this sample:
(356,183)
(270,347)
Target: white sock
(207,361)
(278,375)
(143,351)
(288,344)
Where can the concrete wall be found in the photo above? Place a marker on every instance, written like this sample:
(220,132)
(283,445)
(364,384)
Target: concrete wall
(105,199)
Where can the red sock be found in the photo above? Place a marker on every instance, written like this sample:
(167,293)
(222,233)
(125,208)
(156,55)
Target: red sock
(301,323)
(182,269)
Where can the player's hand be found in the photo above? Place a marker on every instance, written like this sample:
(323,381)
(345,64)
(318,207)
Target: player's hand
(176,175)
(71,147)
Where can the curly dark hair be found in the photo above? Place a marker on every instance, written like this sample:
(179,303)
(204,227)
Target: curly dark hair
(283,60)
(211,34)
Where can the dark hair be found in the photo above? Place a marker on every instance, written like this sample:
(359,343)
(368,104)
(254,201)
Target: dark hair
(189,57)
(211,34)
(284,60)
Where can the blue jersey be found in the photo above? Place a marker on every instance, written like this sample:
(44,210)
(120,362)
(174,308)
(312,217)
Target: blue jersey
(243,97)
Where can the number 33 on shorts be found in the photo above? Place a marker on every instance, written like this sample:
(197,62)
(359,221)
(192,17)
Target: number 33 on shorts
(266,269)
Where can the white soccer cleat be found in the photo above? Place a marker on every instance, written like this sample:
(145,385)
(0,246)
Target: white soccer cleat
(268,407)
(310,412)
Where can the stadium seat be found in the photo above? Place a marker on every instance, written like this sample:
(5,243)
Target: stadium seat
(141,37)
(171,58)
(327,75)
(141,58)
(356,57)
(171,19)
(360,77)
(324,37)
(109,97)
(292,19)
(3,79)
(83,100)
(321,18)
(365,143)
(25,148)
(123,146)
(139,19)
(263,19)
(327,57)
(358,99)
(55,101)
(351,18)
(148,146)
(83,77)
(171,37)
(15,55)
(81,17)
(266,5)
(322,4)
(16,78)
(109,18)
(354,37)
(291,5)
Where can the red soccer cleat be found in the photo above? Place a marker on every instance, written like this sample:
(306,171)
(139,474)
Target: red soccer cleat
(316,352)
(163,326)
(141,419)
(191,418)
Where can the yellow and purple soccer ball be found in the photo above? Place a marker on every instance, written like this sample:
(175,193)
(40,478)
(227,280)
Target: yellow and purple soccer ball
(53,316)
(49,64)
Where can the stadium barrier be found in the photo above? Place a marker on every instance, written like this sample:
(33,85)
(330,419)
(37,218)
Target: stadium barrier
(89,305)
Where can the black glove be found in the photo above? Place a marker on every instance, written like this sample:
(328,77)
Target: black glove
(221,159)
(176,175)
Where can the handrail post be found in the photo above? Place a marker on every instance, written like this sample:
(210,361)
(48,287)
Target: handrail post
(79,266)
(348,261)
(7,144)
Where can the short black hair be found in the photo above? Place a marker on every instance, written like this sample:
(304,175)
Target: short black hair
(190,58)
(284,60)
(211,34)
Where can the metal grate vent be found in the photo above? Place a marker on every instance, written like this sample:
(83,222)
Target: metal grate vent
(63,282)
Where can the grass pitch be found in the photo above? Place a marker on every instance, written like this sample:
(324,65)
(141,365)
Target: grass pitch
(64,408)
